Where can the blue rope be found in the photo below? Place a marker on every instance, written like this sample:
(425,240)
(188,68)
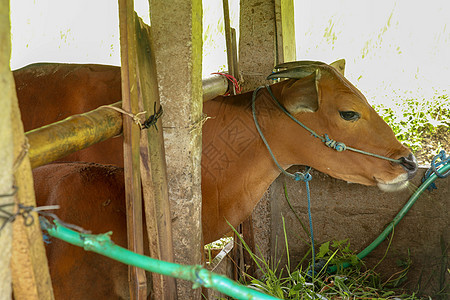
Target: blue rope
(311,231)
(297,176)
(444,159)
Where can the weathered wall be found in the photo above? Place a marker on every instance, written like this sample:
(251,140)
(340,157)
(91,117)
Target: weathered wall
(256,42)
(341,210)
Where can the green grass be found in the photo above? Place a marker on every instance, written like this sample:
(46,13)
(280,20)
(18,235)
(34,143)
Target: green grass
(417,121)
(355,282)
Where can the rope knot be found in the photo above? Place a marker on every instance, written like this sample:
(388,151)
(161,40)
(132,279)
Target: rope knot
(299,176)
(339,147)
(444,159)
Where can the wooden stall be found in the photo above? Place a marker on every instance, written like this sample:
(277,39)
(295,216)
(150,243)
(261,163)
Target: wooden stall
(181,95)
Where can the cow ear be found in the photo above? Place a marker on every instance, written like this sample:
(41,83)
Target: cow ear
(302,95)
(339,65)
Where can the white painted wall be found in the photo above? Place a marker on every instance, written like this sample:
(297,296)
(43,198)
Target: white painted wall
(400,45)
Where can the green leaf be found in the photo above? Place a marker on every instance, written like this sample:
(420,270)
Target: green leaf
(323,250)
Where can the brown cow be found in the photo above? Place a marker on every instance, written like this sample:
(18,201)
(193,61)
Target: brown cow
(92,196)
(236,166)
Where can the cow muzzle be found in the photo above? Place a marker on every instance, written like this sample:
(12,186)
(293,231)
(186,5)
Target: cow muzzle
(400,182)
(410,165)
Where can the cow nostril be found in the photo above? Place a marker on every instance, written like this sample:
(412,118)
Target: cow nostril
(409,164)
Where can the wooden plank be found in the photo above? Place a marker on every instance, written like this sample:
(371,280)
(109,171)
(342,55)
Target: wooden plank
(153,166)
(256,46)
(7,95)
(228,38)
(31,278)
(257,57)
(234,51)
(131,132)
(29,270)
(285,31)
(178,53)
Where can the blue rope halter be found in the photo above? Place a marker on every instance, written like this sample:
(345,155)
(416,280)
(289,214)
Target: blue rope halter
(306,177)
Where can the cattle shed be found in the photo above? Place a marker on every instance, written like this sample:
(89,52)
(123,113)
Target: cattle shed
(171,76)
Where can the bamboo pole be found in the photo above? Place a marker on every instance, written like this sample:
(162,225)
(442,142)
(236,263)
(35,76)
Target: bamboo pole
(214,86)
(153,167)
(54,141)
(131,132)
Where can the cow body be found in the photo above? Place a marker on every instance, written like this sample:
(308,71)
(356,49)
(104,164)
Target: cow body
(236,166)
(91,196)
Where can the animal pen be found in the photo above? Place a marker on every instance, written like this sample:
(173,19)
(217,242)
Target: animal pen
(340,210)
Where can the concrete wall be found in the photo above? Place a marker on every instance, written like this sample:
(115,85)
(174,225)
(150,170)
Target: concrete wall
(350,211)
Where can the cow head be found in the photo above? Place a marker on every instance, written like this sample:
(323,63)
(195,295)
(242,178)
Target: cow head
(319,96)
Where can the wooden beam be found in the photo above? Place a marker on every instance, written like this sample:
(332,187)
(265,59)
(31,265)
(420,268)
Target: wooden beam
(131,133)
(285,31)
(31,277)
(257,57)
(235,52)
(29,270)
(153,166)
(7,96)
(178,52)
(228,37)
(257,42)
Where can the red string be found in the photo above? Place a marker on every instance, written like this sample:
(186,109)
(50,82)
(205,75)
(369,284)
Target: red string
(233,80)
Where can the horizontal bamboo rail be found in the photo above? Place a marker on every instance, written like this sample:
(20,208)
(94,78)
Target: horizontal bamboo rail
(54,141)
(214,86)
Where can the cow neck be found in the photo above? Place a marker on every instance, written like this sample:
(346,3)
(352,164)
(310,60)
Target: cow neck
(244,168)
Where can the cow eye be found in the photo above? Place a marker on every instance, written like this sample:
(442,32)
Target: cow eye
(349,115)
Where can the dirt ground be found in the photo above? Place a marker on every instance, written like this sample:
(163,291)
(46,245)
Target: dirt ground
(431,145)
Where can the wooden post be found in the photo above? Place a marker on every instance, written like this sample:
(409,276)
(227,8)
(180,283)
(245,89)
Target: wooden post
(153,166)
(285,31)
(228,37)
(30,275)
(261,35)
(131,132)
(256,42)
(7,96)
(235,52)
(177,33)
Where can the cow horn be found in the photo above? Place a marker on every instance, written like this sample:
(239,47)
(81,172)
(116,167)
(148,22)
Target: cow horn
(339,65)
(294,64)
(296,73)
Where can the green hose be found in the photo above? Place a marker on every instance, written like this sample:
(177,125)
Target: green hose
(398,217)
(103,245)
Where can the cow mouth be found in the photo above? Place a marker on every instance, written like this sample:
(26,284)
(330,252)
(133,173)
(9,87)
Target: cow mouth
(399,183)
